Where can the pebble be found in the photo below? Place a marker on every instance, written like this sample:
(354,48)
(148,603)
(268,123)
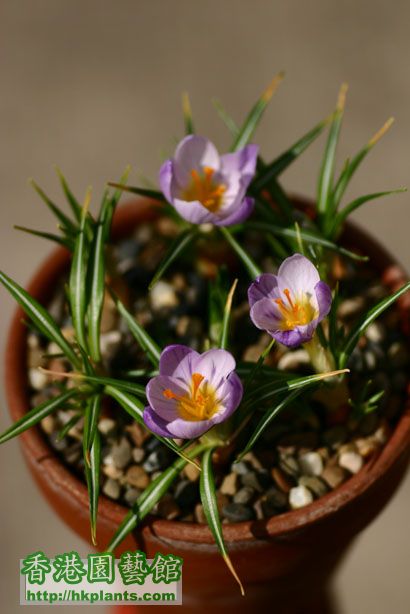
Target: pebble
(111,471)
(299,497)
(110,343)
(138,454)
(398,355)
(252,460)
(121,453)
(352,461)
(191,472)
(290,466)
(333,475)
(58,444)
(351,307)
(236,512)
(376,332)
(314,484)
(138,434)
(291,361)
(366,446)
(275,500)
(167,507)
(106,425)
(162,296)
(48,424)
(229,484)
(186,493)
(37,379)
(157,460)
(131,495)
(311,464)
(136,476)
(284,483)
(244,495)
(112,488)
(258,480)
(241,468)
(199,514)
(35,357)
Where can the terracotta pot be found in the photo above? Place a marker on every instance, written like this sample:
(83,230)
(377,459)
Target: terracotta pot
(285,561)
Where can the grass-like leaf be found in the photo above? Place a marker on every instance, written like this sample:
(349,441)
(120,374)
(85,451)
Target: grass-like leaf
(91,418)
(325,185)
(41,318)
(152,194)
(187,113)
(102,381)
(72,201)
(178,246)
(92,474)
(227,317)
(36,414)
(216,304)
(66,242)
(250,265)
(226,118)
(68,426)
(365,321)
(151,495)
(65,221)
(209,502)
(145,341)
(252,120)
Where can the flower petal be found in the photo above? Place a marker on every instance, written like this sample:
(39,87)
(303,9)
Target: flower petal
(194,152)
(164,407)
(266,315)
(243,211)
(264,286)
(298,274)
(231,396)
(215,365)
(165,179)
(194,212)
(324,299)
(291,338)
(156,424)
(242,161)
(176,360)
(187,429)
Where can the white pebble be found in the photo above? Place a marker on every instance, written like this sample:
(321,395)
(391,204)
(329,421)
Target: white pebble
(311,463)
(293,360)
(106,425)
(299,497)
(37,379)
(109,342)
(163,295)
(375,332)
(352,461)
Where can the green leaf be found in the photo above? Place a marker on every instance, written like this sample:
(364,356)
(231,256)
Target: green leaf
(227,317)
(187,112)
(218,290)
(275,168)
(146,342)
(366,320)
(252,268)
(67,224)
(153,194)
(92,474)
(72,201)
(325,186)
(68,426)
(358,202)
(151,495)
(226,118)
(307,236)
(103,381)
(267,419)
(177,247)
(78,274)
(209,503)
(41,318)
(64,241)
(252,120)
(35,415)
(91,417)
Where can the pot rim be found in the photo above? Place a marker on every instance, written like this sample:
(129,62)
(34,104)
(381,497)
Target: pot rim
(37,448)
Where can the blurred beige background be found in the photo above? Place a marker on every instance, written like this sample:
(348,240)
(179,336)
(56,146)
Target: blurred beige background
(95,84)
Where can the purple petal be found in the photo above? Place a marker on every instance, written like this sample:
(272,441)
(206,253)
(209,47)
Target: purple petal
(264,286)
(291,338)
(186,429)
(265,315)
(215,365)
(243,162)
(176,360)
(156,424)
(194,212)
(194,152)
(164,407)
(324,299)
(231,396)
(165,179)
(298,274)
(243,211)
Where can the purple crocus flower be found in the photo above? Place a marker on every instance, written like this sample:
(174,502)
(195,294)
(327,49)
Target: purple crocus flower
(205,187)
(192,392)
(290,305)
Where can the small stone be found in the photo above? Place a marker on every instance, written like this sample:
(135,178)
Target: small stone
(200,514)
(37,379)
(244,495)
(188,326)
(33,341)
(311,463)
(284,483)
(290,465)
(138,434)
(162,296)
(398,355)
(167,508)
(258,480)
(106,426)
(137,477)
(382,434)
(221,501)
(366,446)
(112,488)
(138,455)
(370,360)
(375,332)
(229,484)
(110,342)
(314,484)
(250,458)
(191,472)
(240,468)
(275,500)
(111,471)
(351,307)
(157,460)
(292,361)
(121,453)
(333,475)
(35,357)
(58,444)
(131,495)
(352,461)
(48,424)
(299,497)
(186,493)
(257,506)
(236,512)
(73,454)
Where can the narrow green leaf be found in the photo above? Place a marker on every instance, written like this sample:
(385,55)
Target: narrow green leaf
(227,317)
(41,318)
(178,246)
(325,185)
(72,201)
(275,168)
(103,381)
(91,417)
(35,415)
(146,342)
(153,194)
(68,225)
(151,495)
(250,265)
(209,503)
(252,120)
(226,118)
(366,320)
(68,426)
(77,280)
(64,241)
(92,474)
(218,289)
(187,112)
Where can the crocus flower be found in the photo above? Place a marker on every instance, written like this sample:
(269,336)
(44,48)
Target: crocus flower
(205,187)
(290,305)
(192,392)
